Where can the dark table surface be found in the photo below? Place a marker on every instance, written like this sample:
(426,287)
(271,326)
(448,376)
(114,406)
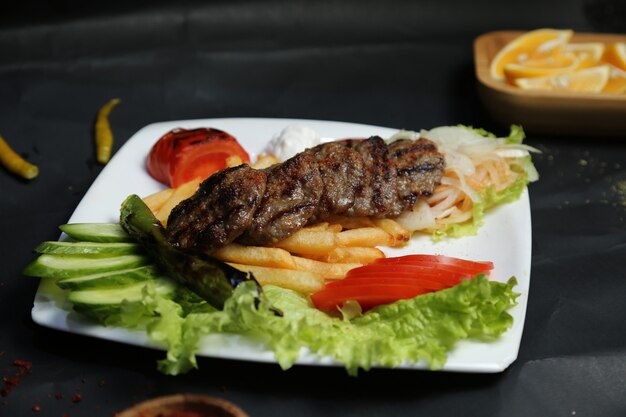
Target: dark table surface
(398,64)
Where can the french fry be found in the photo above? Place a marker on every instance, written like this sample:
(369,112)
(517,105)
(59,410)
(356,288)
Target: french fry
(265,161)
(181,193)
(358,255)
(155,201)
(400,235)
(309,242)
(352,222)
(233,161)
(364,237)
(301,281)
(335,228)
(256,255)
(325,269)
(318,226)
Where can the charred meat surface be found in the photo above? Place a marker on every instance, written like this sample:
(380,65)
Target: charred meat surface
(342,170)
(220,211)
(419,169)
(377,195)
(292,196)
(348,178)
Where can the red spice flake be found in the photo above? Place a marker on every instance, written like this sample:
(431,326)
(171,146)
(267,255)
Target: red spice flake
(77,398)
(13,381)
(58,396)
(23,364)
(24,367)
(1,352)
(9,383)
(36,408)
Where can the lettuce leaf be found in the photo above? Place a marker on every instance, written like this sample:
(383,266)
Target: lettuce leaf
(478,130)
(516,133)
(421,329)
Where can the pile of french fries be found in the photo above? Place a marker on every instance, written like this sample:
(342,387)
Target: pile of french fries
(309,258)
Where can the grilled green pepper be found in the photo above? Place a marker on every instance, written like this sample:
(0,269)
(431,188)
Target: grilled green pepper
(211,279)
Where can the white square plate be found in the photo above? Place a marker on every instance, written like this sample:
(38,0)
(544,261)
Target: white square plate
(504,239)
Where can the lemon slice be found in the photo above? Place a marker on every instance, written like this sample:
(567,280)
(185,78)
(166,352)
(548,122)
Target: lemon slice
(590,80)
(616,82)
(554,65)
(616,54)
(589,54)
(537,44)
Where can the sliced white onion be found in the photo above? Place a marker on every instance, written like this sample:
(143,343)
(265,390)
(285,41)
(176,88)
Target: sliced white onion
(444,213)
(511,153)
(466,188)
(420,218)
(460,163)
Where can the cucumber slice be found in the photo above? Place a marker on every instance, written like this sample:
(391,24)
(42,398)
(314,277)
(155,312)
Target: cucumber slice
(103,304)
(96,232)
(88,248)
(110,296)
(109,279)
(65,266)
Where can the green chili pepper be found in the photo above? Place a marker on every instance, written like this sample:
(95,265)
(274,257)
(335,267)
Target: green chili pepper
(211,279)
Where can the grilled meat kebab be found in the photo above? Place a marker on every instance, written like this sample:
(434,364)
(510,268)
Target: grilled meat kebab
(347,178)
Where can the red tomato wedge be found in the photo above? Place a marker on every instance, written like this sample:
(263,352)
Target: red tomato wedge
(392,279)
(433,271)
(181,155)
(398,280)
(368,295)
(461,264)
(440,278)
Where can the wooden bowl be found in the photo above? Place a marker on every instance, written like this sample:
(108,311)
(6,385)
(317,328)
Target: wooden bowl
(566,113)
(178,405)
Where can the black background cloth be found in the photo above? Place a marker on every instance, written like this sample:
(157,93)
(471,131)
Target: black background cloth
(400,64)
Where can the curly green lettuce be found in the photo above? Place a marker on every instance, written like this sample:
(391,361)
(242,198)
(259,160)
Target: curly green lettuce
(424,328)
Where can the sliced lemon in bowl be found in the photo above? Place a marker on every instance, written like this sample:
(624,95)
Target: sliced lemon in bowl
(589,53)
(616,55)
(553,65)
(535,45)
(616,82)
(590,80)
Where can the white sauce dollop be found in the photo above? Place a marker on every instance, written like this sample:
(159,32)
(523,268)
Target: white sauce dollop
(292,140)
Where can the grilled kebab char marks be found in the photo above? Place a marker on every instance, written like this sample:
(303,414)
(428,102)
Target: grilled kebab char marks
(347,178)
